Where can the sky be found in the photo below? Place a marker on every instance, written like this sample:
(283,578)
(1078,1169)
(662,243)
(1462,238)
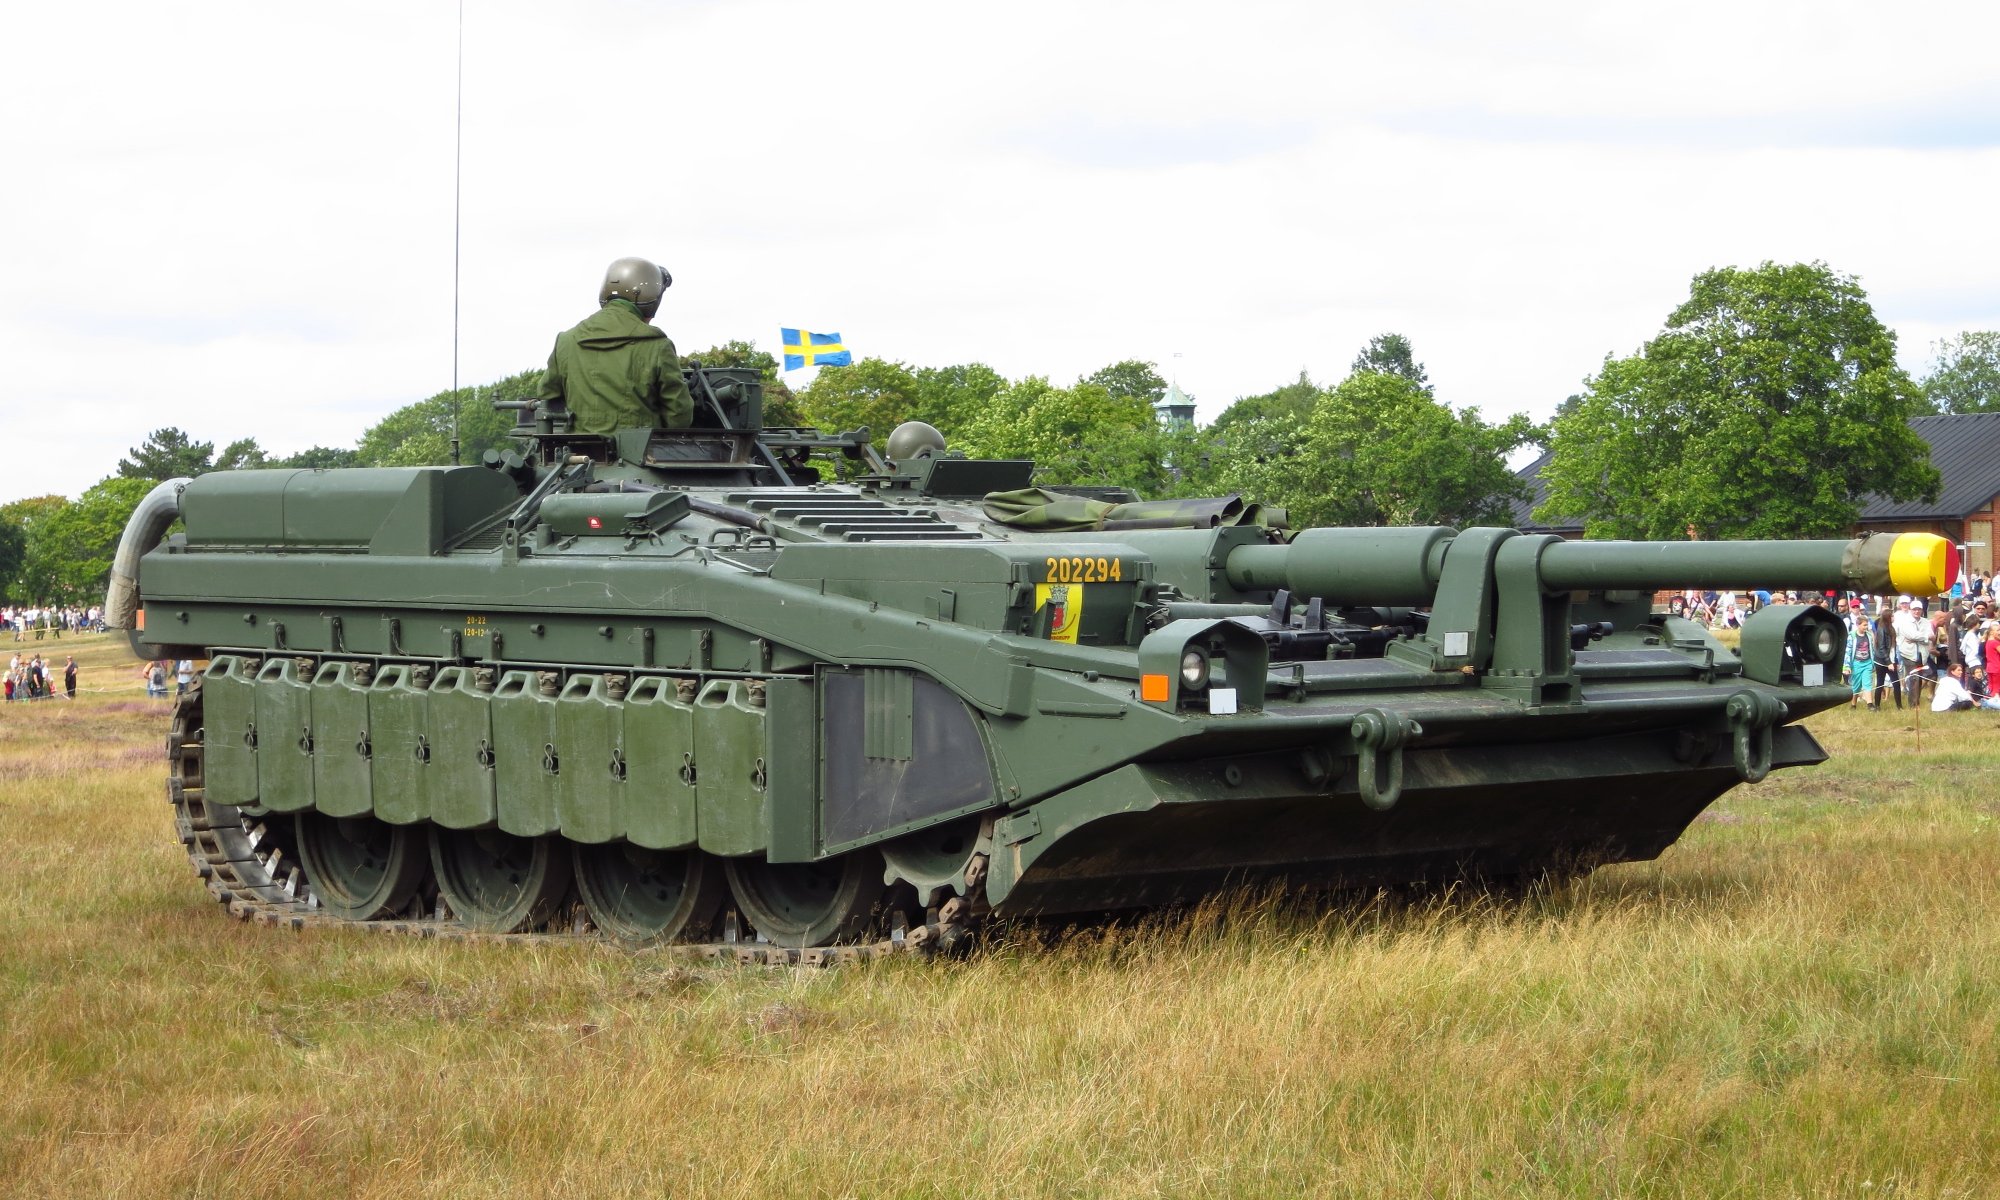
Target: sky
(238,219)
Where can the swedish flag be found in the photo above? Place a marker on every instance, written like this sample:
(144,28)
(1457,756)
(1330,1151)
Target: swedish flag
(804,349)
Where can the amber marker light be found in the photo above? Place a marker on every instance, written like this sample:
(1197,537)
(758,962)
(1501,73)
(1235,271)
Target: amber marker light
(1153,689)
(1922,564)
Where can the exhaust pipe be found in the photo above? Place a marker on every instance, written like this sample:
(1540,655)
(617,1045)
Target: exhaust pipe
(160,508)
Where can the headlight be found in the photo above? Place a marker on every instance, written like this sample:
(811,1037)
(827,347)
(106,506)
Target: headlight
(1825,643)
(1194,669)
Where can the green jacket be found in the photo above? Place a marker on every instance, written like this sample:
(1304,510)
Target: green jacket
(617,372)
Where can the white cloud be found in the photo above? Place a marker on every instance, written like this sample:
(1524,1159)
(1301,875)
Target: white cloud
(238,218)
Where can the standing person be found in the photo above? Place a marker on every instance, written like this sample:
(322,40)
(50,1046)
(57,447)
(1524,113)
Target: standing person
(1989,654)
(614,369)
(183,676)
(1943,645)
(1951,631)
(1860,657)
(1912,646)
(69,677)
(1883,632)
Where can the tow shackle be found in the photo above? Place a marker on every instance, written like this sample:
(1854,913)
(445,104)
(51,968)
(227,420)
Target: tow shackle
(1380,735)
(1751,717)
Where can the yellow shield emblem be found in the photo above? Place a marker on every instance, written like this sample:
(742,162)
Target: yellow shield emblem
(1065,602)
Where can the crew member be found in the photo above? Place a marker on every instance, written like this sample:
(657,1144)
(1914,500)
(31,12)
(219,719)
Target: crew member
(614,369)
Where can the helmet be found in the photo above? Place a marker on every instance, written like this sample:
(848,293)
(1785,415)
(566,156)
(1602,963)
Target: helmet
(913,439)
(639,280)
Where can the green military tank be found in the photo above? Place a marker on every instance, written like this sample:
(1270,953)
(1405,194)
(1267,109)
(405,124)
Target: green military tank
(680,686)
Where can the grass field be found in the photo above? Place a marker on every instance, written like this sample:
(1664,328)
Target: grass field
(1800,999)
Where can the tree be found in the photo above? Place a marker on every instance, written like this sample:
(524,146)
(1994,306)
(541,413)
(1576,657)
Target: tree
(26,517)
(1130,380)
(1379,450)
(319,457)
(1288,403)
(167,454)
(1076,435)
(1965,373)
(1390,353)
(419,435)
(1771,405)
(13,551)
(952,398)
(241,454)
(69,551)
(873,392)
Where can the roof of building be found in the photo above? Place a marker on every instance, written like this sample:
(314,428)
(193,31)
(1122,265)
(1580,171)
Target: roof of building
(1538,491)
(1965,448)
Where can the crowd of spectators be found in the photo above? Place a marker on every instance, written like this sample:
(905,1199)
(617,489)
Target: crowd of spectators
(40,623)
(1953,645)
(32,678)
(1898,647)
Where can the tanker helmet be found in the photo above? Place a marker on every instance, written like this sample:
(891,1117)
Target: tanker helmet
(639,280)
(913,439)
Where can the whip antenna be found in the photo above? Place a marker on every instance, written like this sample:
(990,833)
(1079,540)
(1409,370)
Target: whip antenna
(457,170)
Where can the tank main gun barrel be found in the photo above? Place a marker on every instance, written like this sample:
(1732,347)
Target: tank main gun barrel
(1403,566)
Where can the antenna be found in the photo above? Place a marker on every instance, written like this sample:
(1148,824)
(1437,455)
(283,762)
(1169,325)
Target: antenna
(457,171)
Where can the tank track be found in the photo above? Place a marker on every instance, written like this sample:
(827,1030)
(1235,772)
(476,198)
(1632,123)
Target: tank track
(249,866)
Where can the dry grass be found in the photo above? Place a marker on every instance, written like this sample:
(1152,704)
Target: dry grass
(1799,999)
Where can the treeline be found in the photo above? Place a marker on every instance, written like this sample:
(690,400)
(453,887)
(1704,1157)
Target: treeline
(1770,405)
(1377,448)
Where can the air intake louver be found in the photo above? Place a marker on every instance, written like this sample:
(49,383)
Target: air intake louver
(853,518)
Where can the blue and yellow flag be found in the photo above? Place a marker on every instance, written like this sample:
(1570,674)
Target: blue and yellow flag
(804,349)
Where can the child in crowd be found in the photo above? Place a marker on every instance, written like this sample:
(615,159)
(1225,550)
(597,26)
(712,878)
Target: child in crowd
(1860,656)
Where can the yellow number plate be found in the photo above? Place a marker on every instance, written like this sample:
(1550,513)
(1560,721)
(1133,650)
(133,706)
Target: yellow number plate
(1073,569)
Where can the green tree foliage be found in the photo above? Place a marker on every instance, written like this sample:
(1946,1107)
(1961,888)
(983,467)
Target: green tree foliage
(1391,354)
(13,551)
(1769,406)
(1188,462)
(952,398)
(1076,435)
(1379,450)
(168,454)
(419,435)
(1130,380)
(1965,373)
(781,407)
(1254,417)
(171,454)
(241,454)
(873,392)
(30,517)
(70,547)
(319,457)
(25,513)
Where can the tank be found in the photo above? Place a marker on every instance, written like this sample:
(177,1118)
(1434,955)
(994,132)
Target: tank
(689,685)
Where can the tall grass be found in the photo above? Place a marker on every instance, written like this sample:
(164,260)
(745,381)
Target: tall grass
(1798,999)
